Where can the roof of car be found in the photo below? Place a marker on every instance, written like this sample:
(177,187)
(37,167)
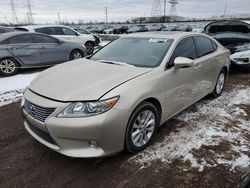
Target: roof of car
(162,34)
(12,34)
(32,27)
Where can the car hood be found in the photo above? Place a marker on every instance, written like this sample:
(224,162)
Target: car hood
(83,80)
(233,26)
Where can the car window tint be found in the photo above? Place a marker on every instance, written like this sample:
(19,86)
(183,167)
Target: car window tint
(204,46)
(44,39)
(50,30)
(68,31)
(82,31)
(185,48)
(20,39)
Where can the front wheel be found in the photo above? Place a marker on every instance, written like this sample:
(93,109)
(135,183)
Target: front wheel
(220,84)
(76,54)
(142,127)
(90,46)
(8,67)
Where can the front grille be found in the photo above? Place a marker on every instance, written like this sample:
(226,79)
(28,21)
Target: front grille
(37,112)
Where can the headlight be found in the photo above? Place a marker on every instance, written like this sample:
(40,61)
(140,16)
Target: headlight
(86,109)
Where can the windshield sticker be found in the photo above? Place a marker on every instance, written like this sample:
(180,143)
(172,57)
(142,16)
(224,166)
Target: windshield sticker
(159,40)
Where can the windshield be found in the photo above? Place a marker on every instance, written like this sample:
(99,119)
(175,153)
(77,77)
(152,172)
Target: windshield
(141,52)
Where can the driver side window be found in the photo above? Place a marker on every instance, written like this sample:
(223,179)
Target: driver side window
(68,31)
(185,48)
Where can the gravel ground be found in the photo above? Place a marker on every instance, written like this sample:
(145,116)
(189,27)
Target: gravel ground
(207,145)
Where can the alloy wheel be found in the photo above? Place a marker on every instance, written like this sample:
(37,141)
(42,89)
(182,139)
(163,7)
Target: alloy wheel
(76,55)
(7,66)
(143,128)
(90,47)
(220,83)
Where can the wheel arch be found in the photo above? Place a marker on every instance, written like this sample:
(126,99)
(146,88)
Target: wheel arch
(226,70)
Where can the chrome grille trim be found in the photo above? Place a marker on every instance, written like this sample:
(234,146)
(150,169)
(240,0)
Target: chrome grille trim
(38,112)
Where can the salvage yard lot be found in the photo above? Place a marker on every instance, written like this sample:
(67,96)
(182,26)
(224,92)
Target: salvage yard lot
(206,145)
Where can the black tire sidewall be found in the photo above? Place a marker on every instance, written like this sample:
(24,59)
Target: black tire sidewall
(129,146)
(14,72)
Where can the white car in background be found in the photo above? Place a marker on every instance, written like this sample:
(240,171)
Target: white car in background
(241,58)
(63,33)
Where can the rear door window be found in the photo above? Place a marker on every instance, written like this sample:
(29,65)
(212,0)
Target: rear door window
(50,30)
(185,48)
(20,39)
(68,31)
(203,45)
(44,39)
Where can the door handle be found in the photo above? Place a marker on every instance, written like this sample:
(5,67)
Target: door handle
(14,48)
(197,67)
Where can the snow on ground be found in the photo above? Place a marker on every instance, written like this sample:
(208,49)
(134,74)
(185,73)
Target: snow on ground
(11,88)
(217,132)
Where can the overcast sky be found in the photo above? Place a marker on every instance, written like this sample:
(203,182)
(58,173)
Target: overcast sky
(45,11)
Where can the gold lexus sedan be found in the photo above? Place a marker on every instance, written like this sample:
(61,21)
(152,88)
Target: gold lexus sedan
(117,98)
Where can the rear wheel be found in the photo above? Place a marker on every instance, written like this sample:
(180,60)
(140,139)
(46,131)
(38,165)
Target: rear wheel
(8,67)
(90,46)
(76,54)
(142,127)
(220,84)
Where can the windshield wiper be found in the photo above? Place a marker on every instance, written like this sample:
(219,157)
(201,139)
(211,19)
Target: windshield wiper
(116,63)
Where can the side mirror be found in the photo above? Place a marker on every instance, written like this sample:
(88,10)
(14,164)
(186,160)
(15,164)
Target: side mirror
(183,62)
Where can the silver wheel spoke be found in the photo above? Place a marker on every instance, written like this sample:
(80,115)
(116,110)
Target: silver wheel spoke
(137,137)
(134,134)
(143,128)
(141,141)
(7,66)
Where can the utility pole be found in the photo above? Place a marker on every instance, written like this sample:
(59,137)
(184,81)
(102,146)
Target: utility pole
(29,14)
(165,4)
(59,17)
(13,10)
(225,10)
(106,13)
(5,18)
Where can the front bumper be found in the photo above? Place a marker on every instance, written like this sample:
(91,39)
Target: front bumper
(72,136)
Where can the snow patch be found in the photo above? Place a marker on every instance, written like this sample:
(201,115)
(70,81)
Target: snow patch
(12,88)
(197,129)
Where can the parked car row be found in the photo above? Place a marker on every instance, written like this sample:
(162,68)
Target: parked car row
(64,33)
(124,29)
(27,50)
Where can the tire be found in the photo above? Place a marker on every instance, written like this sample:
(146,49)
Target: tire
(220,84)
(8,67)
(90,47)
(76,54)
(140,129)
